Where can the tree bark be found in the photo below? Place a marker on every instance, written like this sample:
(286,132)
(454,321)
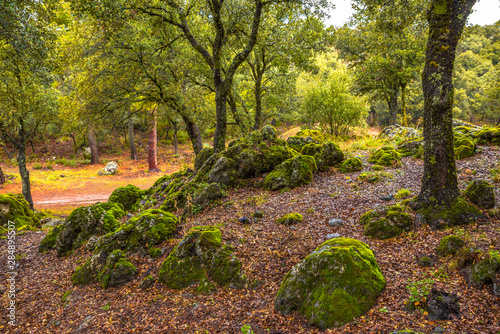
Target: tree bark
(5,147)
(94,153)
(393,106)
(23,170)
(258,99)
(131,138)
(152,143)
(234,111)
(446,22)
(2,176)
(193,133)
(221,122)
(403,105)
(176,141)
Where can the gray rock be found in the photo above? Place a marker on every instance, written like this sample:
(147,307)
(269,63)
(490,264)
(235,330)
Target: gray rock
(111,168)
(332,235)
(335,222)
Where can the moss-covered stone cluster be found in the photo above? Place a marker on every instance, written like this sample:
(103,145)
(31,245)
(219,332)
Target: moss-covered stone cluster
(325,155)
(450,245)
(14,208)
(290,219)
(201,256)
(292,173)
(335,284)
(464,147)
(84,222)
(386,222)
(481,193)
(385,156)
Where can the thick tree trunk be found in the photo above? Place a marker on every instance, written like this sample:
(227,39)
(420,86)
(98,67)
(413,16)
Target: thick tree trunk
(393,106)
(23,170)
(131,138)
(439,201)
(152,143)
(221,121)
(94,153)
(193,133)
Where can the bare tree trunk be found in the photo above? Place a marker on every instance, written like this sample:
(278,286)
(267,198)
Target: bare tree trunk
(234,111)
(23,170)
(193,133)
(5,147)
(74,141)
(176,142)
(2,176)
(393,106)
(94,153)
(152,143)
(131,138)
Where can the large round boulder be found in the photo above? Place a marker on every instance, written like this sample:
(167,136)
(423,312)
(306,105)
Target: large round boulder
(126,196)
(335,284)
(481,193)
(325,155)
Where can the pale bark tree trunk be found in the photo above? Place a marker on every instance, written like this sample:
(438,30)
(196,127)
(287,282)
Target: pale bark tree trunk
(23,170)
(94,153)
(152,143)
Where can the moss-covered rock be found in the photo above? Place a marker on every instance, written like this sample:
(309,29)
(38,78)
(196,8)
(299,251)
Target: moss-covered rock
(149,228)
(126,196)
(351,165)
(14,208)
(450,245)
(305,137)
(202,157)
(488,136)
(337,283)
(385,156)
(484,272)
(398,131)
(292,173)
(83,222)
(49,241)
(465,147)
(290,219)
(386,222)
(481,193)
(325,155)
(413,148)
(374,177)
(208,195)
(109,269)
(200,254)
(439,215)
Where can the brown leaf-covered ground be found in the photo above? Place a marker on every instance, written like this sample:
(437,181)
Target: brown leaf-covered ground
(268,251)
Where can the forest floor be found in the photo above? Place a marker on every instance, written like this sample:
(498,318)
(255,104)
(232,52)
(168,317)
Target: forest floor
(47,302)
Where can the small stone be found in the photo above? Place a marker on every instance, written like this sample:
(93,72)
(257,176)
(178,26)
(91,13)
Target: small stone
(335,222)
(244,220)
(129,215)
(332,235)
(111,168)
(439,329)
(148,282)
(387,198)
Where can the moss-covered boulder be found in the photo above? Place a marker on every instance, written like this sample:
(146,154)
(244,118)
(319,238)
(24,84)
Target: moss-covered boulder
(335,284)
(14,208)
(149,228)
(485,272)
(385,156)
(109,269)
(292,173)
(386,222)
(49,241)
(465,147)
(490,136)
(450,245)
(126,196)
(199,255)
(290,219)
(351,165)
(480,193)
(208,195)
(305,137)
(325,155)
(202,157)
(398,131)
(414,147)
(84,222)
(374,177)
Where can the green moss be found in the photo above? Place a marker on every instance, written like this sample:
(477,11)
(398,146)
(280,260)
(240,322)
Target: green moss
(450,244)
(126,196)
(290,219)
(351,165)
(13,207)
(49,241)
(386,222)
(202,157)
(338,282)
(385,156)
(292,173)
(154,252)
(206,287)
(225,268)
(381,229)
(373,177)
(457,212)
(488,136)
(117,271)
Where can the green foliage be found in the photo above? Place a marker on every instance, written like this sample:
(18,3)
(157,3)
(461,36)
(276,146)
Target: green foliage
(403,193)
(419,290)
(246,329)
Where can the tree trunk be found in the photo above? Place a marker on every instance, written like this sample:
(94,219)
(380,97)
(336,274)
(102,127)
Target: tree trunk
(440,190)
(5,147)
(258,100)
(131,138)
(234,111)
(23,171)
(94,153)
(393,106)
(74,141)
(221,121)
(152,143)
(403,105)
(193,133)
(2,176)
(176,142)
